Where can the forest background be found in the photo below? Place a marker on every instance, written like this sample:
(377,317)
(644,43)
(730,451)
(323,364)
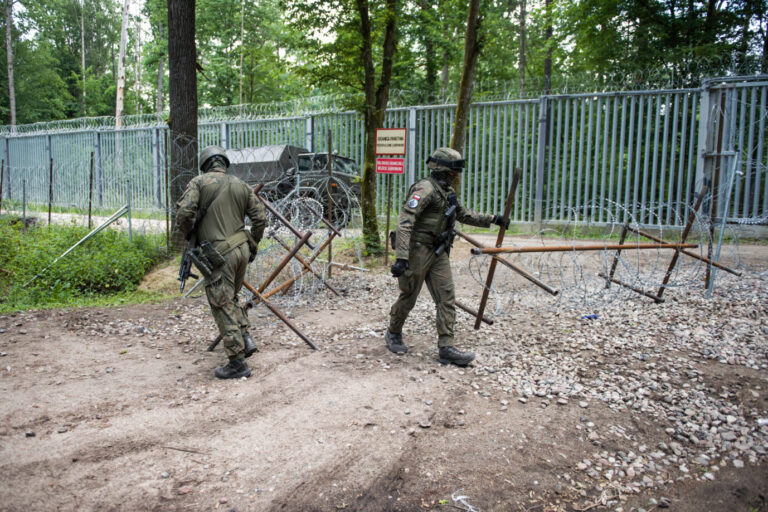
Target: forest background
(64,54)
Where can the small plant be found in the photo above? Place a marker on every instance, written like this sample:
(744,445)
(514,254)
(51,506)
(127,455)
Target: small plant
(107,265)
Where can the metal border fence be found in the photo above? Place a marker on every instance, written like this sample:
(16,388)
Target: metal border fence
(598,157)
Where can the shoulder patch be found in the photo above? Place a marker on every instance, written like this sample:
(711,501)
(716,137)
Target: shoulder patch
(413,202)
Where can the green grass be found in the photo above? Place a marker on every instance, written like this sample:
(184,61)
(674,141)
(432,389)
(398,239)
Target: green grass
(105,269)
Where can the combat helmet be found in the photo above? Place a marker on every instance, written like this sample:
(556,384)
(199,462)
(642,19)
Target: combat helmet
(445,159)
(208,153)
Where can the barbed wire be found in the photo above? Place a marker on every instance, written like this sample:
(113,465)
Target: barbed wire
(576,274)
(684,73)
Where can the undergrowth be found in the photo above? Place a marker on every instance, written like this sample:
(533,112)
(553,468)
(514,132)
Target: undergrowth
(106,269)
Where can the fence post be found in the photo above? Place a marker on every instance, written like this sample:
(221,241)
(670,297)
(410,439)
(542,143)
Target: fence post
(706,137)
(224,142)
(99,168)
(541,159)
(128,194)
(157,185)
(309,141)
(7,145)
(411,146)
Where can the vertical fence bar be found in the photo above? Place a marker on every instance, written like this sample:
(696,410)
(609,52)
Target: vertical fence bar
(572,167)
(50,192)
(566,169)
(647,156)
(590,103)
(761,145)
(672,151)
(604,159)
(542,148)
(90,194)
(128,197)
(636,166)
(558,171)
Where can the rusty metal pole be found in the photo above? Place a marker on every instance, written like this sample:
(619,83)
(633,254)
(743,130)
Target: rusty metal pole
(578,248)
(330,200)
(305,264)
(288,257)
(279,215)
(389,212)
(617,255)
(286,284)
(631,287)
(50,192)
(511,266)
(687,252)
(499,240)
(472,312)
(90,194)
(683,238)
(279,315)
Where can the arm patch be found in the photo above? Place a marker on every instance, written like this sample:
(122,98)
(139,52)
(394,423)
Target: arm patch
(413,202)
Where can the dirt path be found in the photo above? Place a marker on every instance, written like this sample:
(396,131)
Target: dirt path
(117,409)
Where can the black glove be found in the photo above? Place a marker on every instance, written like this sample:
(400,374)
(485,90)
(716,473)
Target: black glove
(399,267)
(252,256)
(500,221)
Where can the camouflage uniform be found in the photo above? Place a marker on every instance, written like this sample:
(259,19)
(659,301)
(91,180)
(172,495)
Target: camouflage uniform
(419,226)
(223,227)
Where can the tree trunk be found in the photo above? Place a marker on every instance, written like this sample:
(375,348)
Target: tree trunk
(472,46)
(9,53)
(82,50)
(159,86)
(121,67)
(710,35)
(182,93)
(548,45)
(764,64)
(430,67)
(242,48)
(376,100)
(522,47)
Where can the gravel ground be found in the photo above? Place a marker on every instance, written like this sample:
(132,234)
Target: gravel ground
(645,406)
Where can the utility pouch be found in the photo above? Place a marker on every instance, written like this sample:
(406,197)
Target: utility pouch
(213,257)
(201,262)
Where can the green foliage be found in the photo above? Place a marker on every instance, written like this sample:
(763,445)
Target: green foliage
(106,265)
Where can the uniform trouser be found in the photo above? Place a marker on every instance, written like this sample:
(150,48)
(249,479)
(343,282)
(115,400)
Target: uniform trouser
(423,266)
(222,289)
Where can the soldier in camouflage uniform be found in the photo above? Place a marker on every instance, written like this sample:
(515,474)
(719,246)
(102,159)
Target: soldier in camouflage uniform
(228,200)
(419,228)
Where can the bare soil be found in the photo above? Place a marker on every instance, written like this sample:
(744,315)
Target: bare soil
(118,409)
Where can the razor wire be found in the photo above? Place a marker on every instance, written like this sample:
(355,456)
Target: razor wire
(575,274)
(686,72)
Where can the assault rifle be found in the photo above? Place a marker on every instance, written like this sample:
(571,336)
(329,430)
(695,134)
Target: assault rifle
(185,270)
(445,239)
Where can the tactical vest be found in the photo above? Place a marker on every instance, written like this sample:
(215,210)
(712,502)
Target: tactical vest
(432,221)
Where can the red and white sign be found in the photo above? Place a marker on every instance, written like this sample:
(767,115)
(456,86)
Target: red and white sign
(390,165)
(390,141)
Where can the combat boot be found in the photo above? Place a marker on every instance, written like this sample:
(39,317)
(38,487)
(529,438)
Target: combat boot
(395,342)
(236,369)
(451,355)
(250,346)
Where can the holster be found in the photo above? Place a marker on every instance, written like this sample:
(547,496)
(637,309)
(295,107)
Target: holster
(213,257)
(201,262)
